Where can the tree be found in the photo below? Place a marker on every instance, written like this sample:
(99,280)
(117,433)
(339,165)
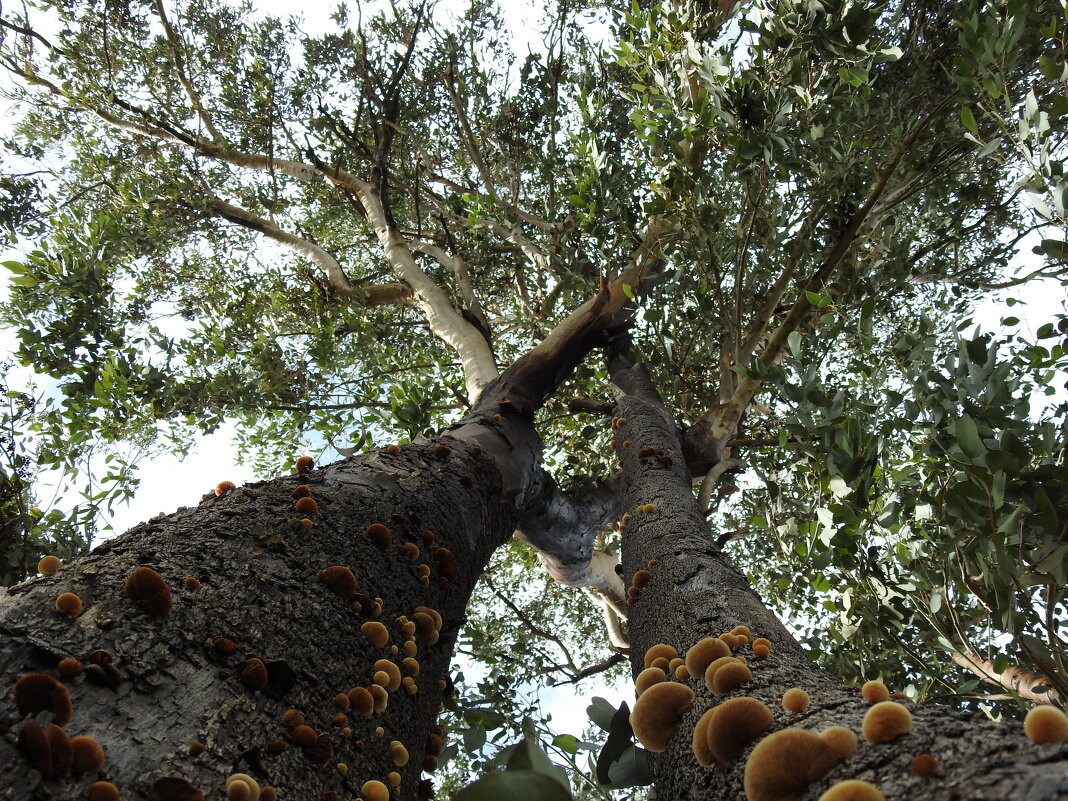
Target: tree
(751,200)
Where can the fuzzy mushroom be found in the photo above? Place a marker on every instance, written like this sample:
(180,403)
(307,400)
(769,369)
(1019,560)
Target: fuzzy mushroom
(657,713)
(703,653)
(853,790)
(1046,724)
(148,588)
(785,763)
(885,722)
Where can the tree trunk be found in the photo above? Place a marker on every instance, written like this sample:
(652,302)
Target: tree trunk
(696,592)
(257,567)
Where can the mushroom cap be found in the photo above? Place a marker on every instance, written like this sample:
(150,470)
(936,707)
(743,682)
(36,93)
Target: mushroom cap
(62,753)
(923,765)
(411,666)
(307,506)
(657,713)
(426,626)
(33,743)
(785,763)
(254,673)
(374,790)
(1046,724)
(743,630)
(704,755)
(339,579)
(38,692)
(886,721)
(647,678)
(841,740)
(376,633)
(380,696)
(243,778)
(761,651)
(362,700)
(795,700)
(703,653)
(853,790)
(391,669)
(304,464)
(737,723)
(715,665)
(147,587)
(49,565)
(224,487)
(103,791)
(70,667)
(874,692)
(69,604)
(86,755)
(657,651)
(730,677)
(398,753)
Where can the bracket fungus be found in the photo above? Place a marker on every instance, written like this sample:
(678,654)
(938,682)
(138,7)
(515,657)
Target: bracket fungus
(398,753)
(647,678)
(254,673)
(715,665)
(191,583)
(853,790)
(304,464)
(148,588)
(703,653)
(307,506)
(785,763)
(657,713)
(103,791)
(381,534)
(68,603)
(795,700)
(223,487)
(49,565)
(1046,724)
(924,766)
(730,677)
(380,697)
(732,726)
(242,787)
(841,740)
(885,722)
(300,491)
(86,755)
(874,692)
(38,692)
(393,674)
(70,668)
(374,790)
(339,579)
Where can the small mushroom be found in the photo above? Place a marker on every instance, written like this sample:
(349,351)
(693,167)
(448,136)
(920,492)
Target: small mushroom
(305,464)
(148,588)
(339,579)
(374,790)
(254,673)
(307,506)
(786,762)
(392,672)
(223,487)
(103,791)
(38,692)
(735,724)
(795,700)
(730,677)
(703,653)
(398,753)
(657,651)
(68,603)
(362,700)
(86,755)
(853,790)
(657,713)
(841,740)
(49,565)
(924,766)
(381,534)
(885,722)
(647,678)
(70,668)
(1046,724)
(874,692)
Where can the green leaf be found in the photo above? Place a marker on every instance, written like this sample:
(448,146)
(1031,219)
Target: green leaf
(601,712)
(631,770)
(514,785)
(967,119)
(620,738)
(968,437)
(628,290)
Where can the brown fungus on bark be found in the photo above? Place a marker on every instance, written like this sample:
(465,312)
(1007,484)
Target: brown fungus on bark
(254,673)
(398,753)
(874,692)
(223,487)
(785,763)
(647,678)
(300,491)
(657,713)
(374,790)
(841,740)
(362,700)
(1046,724)
(103,791)
(715,665)
(393,450)
(340,580)
(924,766)
(641,578)
(70,668)
(307,506)
(38,692)
(196,748)
(69,604)
(34,745)
(703,653)
(242,787)
(795,700)
(191,583)
(49,565)
(448,567)
(761,651)
(224,646)
(380,697)
(86,755)
(380,534)
(393,674)
(657,651)
(885,722)
(853,790)
(321,752)
(304,464)
(409,549)
(735,724)
(442,451)
(147,587)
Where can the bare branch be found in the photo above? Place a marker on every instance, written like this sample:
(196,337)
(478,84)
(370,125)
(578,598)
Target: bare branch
(179,66)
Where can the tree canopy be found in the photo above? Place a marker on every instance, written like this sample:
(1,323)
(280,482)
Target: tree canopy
(791,208)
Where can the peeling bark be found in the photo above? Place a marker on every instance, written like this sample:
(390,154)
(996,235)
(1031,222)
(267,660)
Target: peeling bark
(696,592)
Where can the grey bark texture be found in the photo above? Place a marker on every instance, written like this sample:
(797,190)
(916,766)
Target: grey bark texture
(257,565)
(696,592)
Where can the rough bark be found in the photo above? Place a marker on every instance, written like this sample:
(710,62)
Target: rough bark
(696,592)
(257,565)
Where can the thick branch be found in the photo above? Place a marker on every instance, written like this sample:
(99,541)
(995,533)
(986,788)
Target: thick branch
(1014,678)
(339,282)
